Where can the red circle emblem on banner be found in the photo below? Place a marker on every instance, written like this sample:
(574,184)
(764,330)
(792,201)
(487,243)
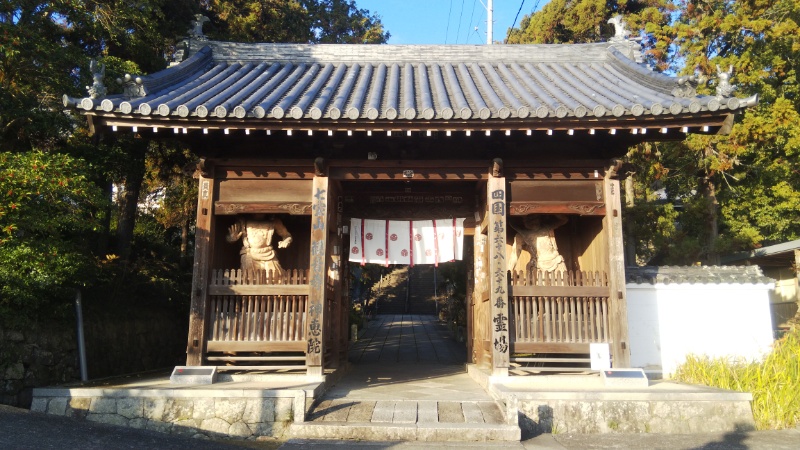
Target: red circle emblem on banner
(404,252)
(368,236)
(428,252)
(417,237)
(379,252)
(393,237)
(355,250)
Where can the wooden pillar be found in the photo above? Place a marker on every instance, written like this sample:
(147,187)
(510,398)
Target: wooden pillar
(618,306)
(480,311)
(334,274)
(471,354)
(498,269)
(315,335)
(203,249)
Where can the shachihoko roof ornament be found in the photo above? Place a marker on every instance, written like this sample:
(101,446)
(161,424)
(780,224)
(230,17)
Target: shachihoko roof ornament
(630,47)
(97,89)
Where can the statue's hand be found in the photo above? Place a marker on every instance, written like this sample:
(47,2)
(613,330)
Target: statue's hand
(234,232)
(285,243)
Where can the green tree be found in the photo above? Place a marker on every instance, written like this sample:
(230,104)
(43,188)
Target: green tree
(302,21)
(48,215)
(342,22)
(737,191)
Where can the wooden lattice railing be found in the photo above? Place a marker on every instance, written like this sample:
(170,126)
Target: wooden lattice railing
(560,312)
(256,311)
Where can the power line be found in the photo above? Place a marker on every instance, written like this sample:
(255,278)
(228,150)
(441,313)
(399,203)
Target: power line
(447,30)
(460,15)
(535,7)
(517,16)
(472,14)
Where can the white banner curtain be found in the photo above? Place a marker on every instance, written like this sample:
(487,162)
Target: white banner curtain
(406,241)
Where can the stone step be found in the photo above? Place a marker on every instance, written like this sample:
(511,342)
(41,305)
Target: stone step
(422,420)
(430,432)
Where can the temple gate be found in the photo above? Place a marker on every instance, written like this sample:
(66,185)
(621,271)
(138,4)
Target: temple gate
(294,138)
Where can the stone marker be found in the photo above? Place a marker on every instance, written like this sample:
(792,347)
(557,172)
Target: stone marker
(625,378)
(193,375)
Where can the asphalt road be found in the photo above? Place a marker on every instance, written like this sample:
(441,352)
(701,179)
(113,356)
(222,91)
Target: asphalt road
(21,429)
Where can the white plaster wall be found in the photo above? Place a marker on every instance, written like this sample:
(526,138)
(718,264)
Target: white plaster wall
(667,322)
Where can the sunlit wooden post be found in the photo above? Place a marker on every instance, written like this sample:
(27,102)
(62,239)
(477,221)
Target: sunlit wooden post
(618,306)
(203,248)
(496,198)
(315,337)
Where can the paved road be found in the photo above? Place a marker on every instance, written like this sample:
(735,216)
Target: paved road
(21,429)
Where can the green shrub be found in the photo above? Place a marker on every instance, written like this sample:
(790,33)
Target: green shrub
(773,382)
(49,213)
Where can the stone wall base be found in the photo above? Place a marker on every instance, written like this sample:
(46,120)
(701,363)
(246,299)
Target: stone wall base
(237,415)
(682,417)
(584,404)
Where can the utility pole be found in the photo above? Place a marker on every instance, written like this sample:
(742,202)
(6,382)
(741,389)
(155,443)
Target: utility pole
(489,22)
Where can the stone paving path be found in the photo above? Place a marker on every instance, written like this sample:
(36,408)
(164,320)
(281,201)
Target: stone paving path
(406,339)
(407,380)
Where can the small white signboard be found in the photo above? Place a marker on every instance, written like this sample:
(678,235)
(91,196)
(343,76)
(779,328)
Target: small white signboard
(600,356)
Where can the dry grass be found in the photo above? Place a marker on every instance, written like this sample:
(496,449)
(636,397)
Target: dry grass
(774,382)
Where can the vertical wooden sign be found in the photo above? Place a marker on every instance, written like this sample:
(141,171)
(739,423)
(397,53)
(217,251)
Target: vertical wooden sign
(498,285)
(618,306)
(203,250)
(317,277)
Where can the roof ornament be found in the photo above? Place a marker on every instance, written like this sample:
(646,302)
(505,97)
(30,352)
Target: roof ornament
(687,85)
(724,86)
(196,32)
(621,32)
(623,41)
(132,86)
(97,89)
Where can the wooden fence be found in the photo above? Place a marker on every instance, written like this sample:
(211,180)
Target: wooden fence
(560,312)
(256,311)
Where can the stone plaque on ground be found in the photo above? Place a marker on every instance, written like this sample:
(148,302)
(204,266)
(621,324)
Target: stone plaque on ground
(193,375)
(633,378)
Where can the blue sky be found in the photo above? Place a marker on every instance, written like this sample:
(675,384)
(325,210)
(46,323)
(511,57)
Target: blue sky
(445,21)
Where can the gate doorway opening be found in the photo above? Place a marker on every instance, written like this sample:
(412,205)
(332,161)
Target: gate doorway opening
(410,313)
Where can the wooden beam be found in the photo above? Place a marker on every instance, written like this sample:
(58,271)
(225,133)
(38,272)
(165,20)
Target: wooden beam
(497,211)
(234,208)
(260,289)
(203,250)
(549,347)
(617,304)
(256,346)
(581,208)
(559,291)
(317,277)
(715,120)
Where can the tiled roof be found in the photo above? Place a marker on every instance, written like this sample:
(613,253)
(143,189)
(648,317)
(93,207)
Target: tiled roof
(318,83)
(696,275)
